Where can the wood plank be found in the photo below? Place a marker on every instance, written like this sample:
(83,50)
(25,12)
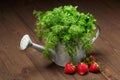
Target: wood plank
(17,20)
(108,58)
(15,65)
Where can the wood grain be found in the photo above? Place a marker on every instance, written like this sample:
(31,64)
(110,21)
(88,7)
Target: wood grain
(16,19)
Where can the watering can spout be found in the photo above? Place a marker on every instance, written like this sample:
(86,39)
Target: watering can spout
(26,42)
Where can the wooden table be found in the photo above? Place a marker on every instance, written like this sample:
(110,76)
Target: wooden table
(16,19)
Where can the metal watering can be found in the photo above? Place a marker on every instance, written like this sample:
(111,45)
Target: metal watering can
(59,56)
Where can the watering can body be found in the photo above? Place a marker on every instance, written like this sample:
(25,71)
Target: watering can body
(59,56)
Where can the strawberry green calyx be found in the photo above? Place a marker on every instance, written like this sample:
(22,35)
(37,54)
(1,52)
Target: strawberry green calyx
(90,59)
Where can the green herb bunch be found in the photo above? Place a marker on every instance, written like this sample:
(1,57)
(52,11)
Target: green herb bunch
(65,25)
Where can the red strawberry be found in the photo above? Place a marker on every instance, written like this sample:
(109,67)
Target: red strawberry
(69,68)
(82,68)
(94,67)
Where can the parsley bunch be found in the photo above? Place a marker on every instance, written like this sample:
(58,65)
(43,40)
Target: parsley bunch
(65,25)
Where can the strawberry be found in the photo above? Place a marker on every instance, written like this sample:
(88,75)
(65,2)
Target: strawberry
(82,68)
(94,67)
(69,68)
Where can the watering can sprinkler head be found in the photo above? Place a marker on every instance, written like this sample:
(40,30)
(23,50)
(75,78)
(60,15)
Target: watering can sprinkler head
(25,42)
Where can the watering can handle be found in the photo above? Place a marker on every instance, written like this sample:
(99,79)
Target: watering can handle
(97,34)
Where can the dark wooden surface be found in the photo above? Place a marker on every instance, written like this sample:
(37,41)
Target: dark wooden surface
(16,19)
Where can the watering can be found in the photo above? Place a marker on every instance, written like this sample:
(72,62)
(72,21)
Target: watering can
(59,56)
